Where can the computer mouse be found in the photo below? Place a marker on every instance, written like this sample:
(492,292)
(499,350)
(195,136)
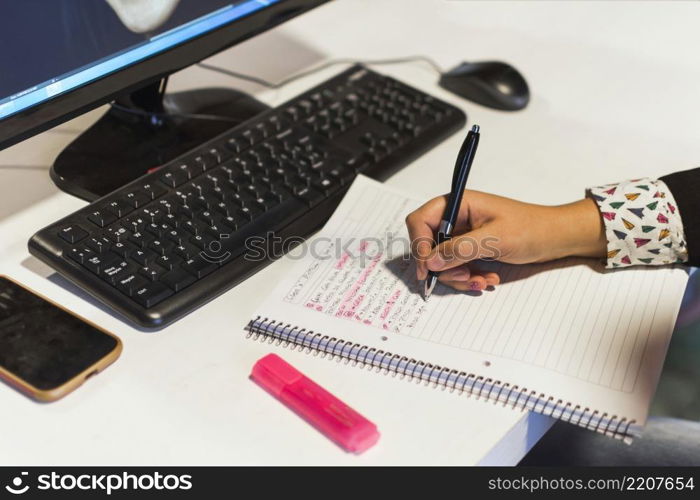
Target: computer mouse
(490,83)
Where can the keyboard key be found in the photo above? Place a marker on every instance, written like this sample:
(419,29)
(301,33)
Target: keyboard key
(167,205)
(223,208)
(102,218)
(298,184)
(153,214)
(185,170)
(207,217)
(97,263)
(194,227)
(186,211)
(152,272)
(175,178)
(219,153)
(162,247)
(205,161)
(244,213)
(172,221)
(243,198)
(154,190)
(165,229)
(141,240)
(218,231)
(199,241)
(129,283)
(184,195)
(358,163)
(311,196)
(155,229)
(144,257)
(151,294)
(120,208)
(73,233)
(229,222)
(199,267)
(99,244)
(116,234)
(202,202)
(342,174)
(167,262)
(137,199)
(176,236)
(134,224)
(186,251)
(80,255)
(123,249)
(272,197)
(177,279)
(283,192)
(116,271)
(234,144)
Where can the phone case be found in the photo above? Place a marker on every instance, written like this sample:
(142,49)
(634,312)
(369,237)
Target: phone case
(69,386)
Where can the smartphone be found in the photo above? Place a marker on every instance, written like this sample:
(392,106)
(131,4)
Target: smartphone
(46,351)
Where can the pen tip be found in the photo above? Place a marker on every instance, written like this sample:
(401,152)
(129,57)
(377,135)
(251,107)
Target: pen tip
(428,289)
(475,129)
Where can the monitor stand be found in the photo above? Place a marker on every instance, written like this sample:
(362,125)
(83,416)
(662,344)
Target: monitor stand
(124,145)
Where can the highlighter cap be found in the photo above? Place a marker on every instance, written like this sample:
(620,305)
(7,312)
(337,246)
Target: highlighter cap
(274,373)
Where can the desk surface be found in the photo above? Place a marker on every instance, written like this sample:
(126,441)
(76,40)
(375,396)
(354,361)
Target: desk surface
(614,96)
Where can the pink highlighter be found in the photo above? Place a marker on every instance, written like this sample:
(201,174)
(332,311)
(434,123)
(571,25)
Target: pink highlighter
(320,408)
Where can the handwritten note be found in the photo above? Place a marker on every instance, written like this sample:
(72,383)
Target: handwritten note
(368,280)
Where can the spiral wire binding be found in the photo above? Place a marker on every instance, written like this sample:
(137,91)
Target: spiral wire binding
(488,389)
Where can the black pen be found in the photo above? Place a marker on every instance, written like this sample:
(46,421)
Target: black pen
(459,181)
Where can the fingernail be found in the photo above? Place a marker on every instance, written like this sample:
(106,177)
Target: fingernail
(474,285)
(458,275)
(435,263)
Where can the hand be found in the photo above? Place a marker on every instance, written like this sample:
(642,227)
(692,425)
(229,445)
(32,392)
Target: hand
(498,228)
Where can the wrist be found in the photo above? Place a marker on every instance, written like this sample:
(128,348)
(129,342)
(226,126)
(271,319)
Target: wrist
(580,231)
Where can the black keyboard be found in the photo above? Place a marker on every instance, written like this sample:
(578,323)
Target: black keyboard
(175,238)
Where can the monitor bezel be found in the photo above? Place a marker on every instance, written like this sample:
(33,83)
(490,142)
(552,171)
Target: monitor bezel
(43,116)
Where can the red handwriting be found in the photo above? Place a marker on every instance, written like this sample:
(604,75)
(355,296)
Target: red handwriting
(361,280)
(342,260)
(390,304)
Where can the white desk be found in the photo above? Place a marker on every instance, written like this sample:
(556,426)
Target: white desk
(614,95)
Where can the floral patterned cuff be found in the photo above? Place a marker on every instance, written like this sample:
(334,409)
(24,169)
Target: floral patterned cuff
(642,223)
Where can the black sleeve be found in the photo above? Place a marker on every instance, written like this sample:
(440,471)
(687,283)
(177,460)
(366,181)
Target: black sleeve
(685,187)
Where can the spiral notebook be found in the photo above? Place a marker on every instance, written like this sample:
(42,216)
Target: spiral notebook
(566,339)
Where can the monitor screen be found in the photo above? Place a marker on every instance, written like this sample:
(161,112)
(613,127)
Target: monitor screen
(50,48)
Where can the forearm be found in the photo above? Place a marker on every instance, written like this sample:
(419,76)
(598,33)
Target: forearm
(579,230)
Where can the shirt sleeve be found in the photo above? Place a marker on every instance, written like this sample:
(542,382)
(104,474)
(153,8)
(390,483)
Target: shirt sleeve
(685,186)
(643,224)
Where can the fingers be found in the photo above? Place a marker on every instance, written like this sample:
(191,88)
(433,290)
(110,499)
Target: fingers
(460,250)
(492,279)
(475,284)
(461,273)
(464,279)
(422,225)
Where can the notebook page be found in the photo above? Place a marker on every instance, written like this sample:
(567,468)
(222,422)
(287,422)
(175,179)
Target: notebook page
(568,329)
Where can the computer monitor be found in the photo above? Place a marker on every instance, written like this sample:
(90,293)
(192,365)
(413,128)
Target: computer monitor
(62,58)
